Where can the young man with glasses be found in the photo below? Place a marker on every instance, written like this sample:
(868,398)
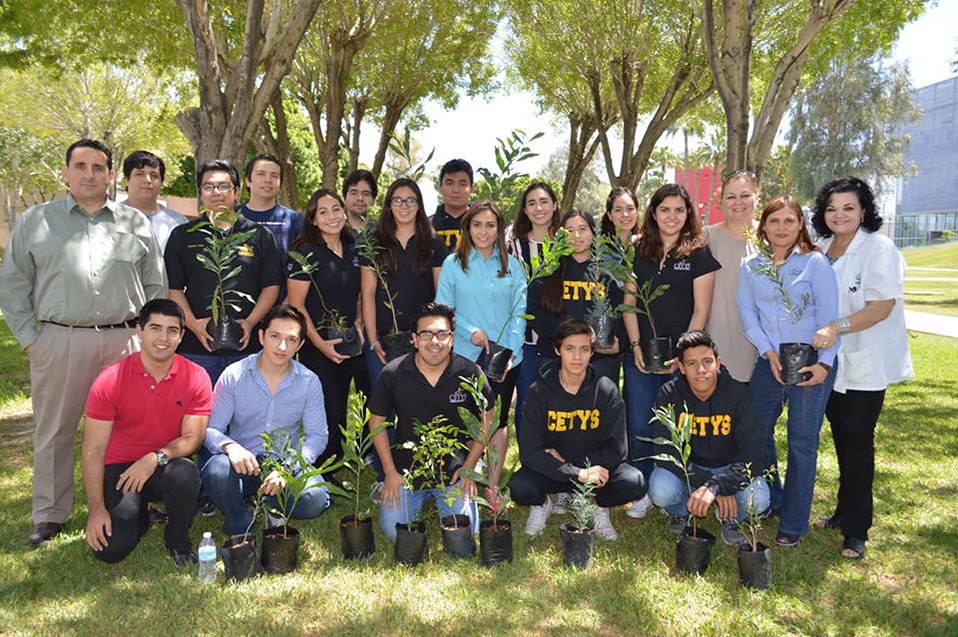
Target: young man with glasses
(418,387)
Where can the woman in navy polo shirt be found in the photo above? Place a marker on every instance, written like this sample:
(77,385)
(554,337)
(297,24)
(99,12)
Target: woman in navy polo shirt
(671,250)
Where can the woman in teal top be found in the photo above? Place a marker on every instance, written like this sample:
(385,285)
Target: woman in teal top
(487,287)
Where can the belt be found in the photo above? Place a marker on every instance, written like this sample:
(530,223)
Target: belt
(111,326)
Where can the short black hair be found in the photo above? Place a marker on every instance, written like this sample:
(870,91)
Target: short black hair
(142,159)
(163,307)
(574,327)
(360,175)
(695,338)
(95,145)
(251,164)
(212,165)
(284,312)
(871,220)
(435,309)
(456,166)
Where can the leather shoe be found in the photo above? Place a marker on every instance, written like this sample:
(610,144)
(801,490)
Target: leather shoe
(182,557)
(43,532)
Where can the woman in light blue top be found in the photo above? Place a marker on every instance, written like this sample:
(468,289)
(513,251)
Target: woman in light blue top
(812,290)
(487,287)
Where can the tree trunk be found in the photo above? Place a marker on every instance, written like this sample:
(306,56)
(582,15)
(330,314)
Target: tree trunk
(359,112)
(582,147)
(283,152)
(394,111)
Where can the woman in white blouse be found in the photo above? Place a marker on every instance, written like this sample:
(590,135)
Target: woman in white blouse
(874,344)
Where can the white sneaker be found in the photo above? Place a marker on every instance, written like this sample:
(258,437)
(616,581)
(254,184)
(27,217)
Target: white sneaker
(538,516)
(639,508)
(603,525)
(562,500)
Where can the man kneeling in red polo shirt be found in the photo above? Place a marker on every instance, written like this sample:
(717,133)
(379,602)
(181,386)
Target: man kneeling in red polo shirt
(145,414)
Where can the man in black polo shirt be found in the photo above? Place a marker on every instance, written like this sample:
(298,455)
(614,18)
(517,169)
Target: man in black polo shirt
(418,387)
(192,285)
(456,187)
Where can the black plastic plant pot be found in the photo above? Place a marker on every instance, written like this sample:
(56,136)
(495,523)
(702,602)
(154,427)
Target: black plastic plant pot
(576,545)
(457,537)
(793,357)
(412,544)
(495,364)
(604,327)
(395,345)
(280,549)
(693,553)
(495,542)
(227,334)
(755,567)
(358,540)
(350,345)
(655,352)
(240,557)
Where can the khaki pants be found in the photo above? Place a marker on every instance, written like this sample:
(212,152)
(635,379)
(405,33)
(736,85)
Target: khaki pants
(64,362)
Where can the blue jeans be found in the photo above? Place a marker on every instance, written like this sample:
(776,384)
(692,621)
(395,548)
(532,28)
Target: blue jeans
(375,368)
(227,489)
(806,408)
(527,376)
(413,501)
(639,396)
(668,491)
(215,364)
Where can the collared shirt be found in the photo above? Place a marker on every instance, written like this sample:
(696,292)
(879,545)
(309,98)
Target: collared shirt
(336,277)
(69,267)
(244,408)
(163,222)
(810,284)
(485,301)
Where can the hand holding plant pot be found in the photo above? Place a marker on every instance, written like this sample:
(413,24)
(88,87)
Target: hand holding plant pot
(336,331)
(393,343)
(609,259)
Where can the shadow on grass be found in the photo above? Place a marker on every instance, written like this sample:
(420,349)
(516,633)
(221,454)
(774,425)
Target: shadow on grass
(14,367)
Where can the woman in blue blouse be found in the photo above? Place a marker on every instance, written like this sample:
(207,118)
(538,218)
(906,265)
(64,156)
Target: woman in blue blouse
(810,284)
(487,287)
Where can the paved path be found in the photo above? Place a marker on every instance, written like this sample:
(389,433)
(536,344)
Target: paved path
(932,323)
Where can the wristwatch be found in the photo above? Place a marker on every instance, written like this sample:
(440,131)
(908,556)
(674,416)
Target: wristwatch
(161,458)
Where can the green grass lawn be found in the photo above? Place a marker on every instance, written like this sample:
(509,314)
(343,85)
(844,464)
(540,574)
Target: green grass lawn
(939,297)
(905,586)
(943,255)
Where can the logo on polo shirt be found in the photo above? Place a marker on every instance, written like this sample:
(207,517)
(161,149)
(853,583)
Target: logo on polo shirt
(179,403)
(458,396)
(683,265)
(858,281)
(246,250)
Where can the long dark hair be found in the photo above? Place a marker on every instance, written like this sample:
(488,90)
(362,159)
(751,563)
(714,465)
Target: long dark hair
(522,226)
(871,220)
(690,238)
(607,227)
(552,285)
(310,232)
(804,241)
(386,231)
(465,241)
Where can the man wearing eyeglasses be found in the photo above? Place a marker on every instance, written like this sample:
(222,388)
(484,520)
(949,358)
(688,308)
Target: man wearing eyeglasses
(418,387)
(192,285)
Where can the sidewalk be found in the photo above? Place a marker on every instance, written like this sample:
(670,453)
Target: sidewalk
(940,324)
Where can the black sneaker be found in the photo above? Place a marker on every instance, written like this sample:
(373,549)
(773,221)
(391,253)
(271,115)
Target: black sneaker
(205,506)
(156,516)
(732,534)
(677,523)
(182,557)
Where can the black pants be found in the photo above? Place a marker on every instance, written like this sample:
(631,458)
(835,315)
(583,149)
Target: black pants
(853,416)
(504,392)
(177,485)
(529,487)
(335,380)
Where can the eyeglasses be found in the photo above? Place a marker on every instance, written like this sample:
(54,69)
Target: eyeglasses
(409,202)
(442,335)
(220,187)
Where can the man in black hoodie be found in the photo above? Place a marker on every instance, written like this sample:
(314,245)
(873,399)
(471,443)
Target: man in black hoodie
(573,429)
(725,468)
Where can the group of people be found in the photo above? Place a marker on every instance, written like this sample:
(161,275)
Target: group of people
(113,304)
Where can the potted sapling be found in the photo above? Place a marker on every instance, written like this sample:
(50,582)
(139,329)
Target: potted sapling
(602,314)
(495,534)
(693,550)
(240,557)
(219,250)
(754,557)
(332,325)
(494,362)
(578,536)
(395,342)
(797,353)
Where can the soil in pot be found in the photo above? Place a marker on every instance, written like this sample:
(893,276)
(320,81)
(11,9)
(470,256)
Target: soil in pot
(280,549)
(655,352)
(576,545)
(457,537)
(495,364)
(227,334)
(358,540)
(755,567)
(240,557)
(495,543)
(604,327)
(694,553)
(395,345)
(412,544)
(793,357)
(350,345)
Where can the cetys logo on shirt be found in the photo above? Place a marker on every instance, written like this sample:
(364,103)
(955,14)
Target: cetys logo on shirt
(582,419)
(582,290)
(246,250)
(451,237)
(718,425)
(458,396)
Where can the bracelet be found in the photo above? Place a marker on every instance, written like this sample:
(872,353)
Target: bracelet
(633,344)
(844,325)
(373,344)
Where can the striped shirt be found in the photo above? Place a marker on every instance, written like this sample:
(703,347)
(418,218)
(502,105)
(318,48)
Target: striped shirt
(244,407)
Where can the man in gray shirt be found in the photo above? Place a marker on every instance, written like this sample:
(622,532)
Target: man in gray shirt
(144,173)
(75,273)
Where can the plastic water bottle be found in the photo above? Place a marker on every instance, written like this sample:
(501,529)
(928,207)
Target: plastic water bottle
(207,558)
